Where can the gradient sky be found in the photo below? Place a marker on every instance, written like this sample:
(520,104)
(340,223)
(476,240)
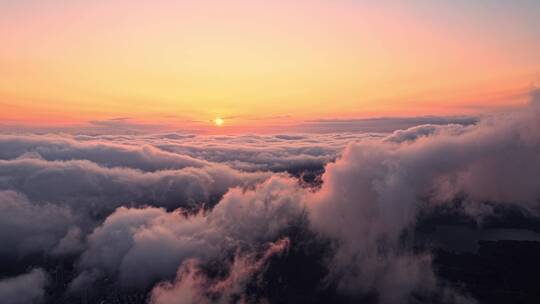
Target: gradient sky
(261,63)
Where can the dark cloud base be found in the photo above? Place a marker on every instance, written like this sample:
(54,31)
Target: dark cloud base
(435,213)
(500,272)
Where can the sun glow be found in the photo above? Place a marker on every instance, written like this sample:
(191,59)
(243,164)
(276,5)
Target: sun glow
(259,64)
(218,121)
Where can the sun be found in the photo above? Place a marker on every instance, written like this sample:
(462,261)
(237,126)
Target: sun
(218,121)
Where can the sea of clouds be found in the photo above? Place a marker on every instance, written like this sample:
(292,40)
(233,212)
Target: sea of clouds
(186,218)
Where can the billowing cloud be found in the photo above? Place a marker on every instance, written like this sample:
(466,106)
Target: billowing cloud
(414,133)
(54,148)
(281,152)
(134,211)
(24,289)
(98,190)
(140,246)
(178,151)
(27,228)
(192,285)
(371,196)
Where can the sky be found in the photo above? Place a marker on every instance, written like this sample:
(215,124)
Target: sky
(260,64)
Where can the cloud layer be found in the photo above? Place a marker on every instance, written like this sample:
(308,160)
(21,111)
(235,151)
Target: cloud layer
(197,219)
(24,289)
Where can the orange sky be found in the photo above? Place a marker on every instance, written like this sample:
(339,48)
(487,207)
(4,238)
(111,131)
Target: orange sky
(261,63)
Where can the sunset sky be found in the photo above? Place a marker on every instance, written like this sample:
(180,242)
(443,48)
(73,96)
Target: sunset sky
(257,64)
(269,151)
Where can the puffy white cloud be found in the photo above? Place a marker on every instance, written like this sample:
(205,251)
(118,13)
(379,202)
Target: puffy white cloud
(414,133)
(140,246)
(57,147)
(24,289)
(257,152)
(28,228)
(98,190)
(365,204)
(192,285)
(176,151)
(114,201)
(371,196)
